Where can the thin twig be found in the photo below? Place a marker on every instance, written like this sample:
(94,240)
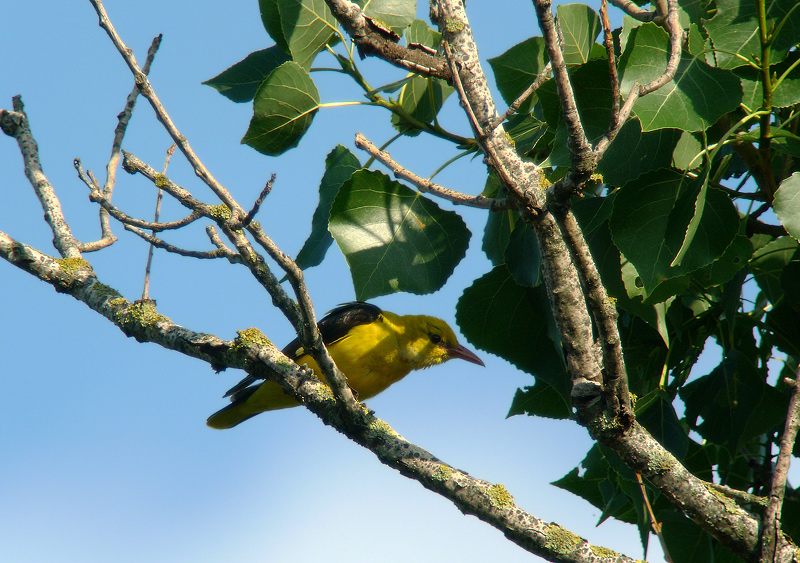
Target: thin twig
(426,186)
(15,124)
(147,91)
(772,516)
(654,523)
(257,205)
(634,11)
(637,91)
(529,91)
(232,256)
(159,196)
(608,42)
(453,64)
(209,254)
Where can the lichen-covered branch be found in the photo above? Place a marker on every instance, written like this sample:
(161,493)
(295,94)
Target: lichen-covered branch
(255,354)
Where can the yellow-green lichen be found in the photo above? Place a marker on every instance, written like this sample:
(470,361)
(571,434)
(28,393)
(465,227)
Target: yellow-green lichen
(453,25)
(443,473)
(601,551)
(499,497)
(661,462)
(142,313)
(382,429)
(544,183)
(119,302)
(102,291)
(729,504)
(71,265)
(220,211)
(160,181)
(249,337)
(560,540)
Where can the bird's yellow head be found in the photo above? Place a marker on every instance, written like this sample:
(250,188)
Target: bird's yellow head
(430,341)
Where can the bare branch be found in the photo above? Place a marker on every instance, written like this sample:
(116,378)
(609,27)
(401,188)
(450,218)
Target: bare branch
(172,248)
(489,502)
(147,91)
(634,11)
(257,205)
(373,40)
(216,241)
(772,516)
(426,186)
(675,43)
(156,215)
(15,124)
(608,43)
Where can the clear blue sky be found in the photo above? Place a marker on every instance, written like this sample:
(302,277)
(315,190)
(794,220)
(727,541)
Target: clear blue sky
(105,452)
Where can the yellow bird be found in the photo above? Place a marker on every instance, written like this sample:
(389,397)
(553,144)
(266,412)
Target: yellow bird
(373,348)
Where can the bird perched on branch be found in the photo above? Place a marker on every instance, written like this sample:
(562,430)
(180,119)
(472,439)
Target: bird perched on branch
(373,348)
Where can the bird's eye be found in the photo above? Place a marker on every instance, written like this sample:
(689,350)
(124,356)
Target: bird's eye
(435,338)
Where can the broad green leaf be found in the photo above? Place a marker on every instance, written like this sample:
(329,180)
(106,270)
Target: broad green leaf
(633,153)
(697,96)
(726,266)
(283,109)
(522,255)
(517,68)
(650,218)
(540,400)
(525,130)
(784,324)
(719,405)
(593,98)
(768,263)
(656,413)
(307,26)
(271,18)
(421,97)
(499,225)
(686,541)
(579,26)
(685,155)
(787,204)
(393,238)
(239,83)
(788,92)
(514,322)
(734,29)
(339,166)
(395,14)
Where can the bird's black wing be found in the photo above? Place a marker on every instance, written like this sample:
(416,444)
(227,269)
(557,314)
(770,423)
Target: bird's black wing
(333,326)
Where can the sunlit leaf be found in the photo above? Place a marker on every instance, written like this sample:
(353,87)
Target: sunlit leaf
(283,109)
(240,82)
(395,14)
(787,204)
(517,68)
(307,26)
(579,26)
(393,238)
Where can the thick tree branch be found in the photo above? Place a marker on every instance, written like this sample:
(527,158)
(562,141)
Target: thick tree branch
(253,353)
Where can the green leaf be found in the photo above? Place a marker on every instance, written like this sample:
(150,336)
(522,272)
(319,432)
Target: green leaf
(734,29)
(768,264)
(788,92)
(239,83)
(522,255)
(697,96)
(684,157)
(499,225)
(579,26)
(514,322)
(593,98)
(421,97)
(787,204)
(339,166)
(283,109)
(540,400)
(271,18)
(393,238)
(723,269)
(307,26)
(633,153)
(656,413)
(725,400)
(650,218)
(526,131)
(686,541)
(517,68)
(395,14)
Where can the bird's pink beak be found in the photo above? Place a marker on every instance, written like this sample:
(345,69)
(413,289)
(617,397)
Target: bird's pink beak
(465,354)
